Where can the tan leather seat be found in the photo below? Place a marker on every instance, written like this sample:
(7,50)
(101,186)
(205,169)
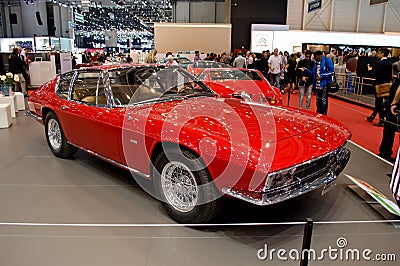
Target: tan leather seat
(92,99)
(89,99)
(102,99)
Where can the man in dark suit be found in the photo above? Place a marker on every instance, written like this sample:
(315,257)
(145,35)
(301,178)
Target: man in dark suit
(16,65)
(382,73)
(390,126)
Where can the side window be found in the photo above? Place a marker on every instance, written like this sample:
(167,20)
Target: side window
(85,88)
(123,85)
(63,85)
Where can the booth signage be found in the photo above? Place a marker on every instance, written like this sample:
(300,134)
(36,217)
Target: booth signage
(79,18)
(375,2)
(314,5)
(71,25)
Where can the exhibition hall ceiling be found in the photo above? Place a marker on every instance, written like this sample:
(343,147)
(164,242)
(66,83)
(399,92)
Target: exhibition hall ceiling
(124,15)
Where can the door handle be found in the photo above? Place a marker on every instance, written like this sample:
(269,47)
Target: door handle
(63,107)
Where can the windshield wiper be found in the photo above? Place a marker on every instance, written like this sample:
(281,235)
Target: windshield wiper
(199,94)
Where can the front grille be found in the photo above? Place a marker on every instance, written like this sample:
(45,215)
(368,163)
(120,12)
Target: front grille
(314,167)
(308,171)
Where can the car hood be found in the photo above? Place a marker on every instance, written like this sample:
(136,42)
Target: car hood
(251,87)
(233,136)
(233,117)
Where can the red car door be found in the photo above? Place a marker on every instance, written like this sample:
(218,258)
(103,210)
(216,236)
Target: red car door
(78,115)
(89,119)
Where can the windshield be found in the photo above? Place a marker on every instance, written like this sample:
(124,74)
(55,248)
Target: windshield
(151,83)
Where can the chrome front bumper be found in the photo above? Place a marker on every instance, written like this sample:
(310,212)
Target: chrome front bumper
(288,192)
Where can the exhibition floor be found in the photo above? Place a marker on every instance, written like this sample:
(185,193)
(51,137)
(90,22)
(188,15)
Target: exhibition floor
(84,211)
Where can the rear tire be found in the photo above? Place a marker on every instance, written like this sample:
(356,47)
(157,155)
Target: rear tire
(187,196)
(55,137)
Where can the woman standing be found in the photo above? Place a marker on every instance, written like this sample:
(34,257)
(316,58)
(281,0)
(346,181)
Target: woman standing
(151,57)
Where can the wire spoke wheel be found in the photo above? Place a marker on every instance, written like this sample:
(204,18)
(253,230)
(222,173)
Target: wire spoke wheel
(179,186)
(54,134)
(185,187)
(56,139)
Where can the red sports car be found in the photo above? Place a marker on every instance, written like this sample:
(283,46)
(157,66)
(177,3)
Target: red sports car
(233,82)
(195,147)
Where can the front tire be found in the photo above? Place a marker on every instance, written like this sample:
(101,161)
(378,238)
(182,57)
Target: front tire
(56,139)
(188,196)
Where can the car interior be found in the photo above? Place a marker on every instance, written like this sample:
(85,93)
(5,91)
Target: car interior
(133,85)
(89,89)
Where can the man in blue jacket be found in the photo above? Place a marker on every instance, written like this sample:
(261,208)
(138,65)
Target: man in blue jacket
(322,73)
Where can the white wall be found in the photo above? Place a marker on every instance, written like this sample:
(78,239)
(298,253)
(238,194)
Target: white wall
(61,24)
(345,16)
(30,24)
(181,12)
(191,37)
(16,28)
(286,40)
(199,12)
(27,23)
(202,12)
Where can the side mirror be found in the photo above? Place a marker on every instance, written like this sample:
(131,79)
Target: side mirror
(245,96)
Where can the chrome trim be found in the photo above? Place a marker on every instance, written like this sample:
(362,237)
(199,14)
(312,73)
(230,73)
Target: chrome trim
(329,154)
(329,177)
(54,133)
(304,186)
(179,186)
(34,116)
(137,172)
(146,102)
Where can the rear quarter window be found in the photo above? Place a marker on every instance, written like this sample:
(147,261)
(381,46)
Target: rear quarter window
(64,84)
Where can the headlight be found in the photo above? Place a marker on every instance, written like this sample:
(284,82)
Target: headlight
(279,179)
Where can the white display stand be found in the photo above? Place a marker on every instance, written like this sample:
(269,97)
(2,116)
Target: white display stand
(19,100)
(5,115)
(41,72)
(10,100)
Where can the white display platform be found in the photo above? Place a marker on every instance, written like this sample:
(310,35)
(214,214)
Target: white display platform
(5,115)
(10,100)
(41,72)
(19,100)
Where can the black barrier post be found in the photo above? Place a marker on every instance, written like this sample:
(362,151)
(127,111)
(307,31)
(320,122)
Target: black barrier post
(288,97)
(305,250)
